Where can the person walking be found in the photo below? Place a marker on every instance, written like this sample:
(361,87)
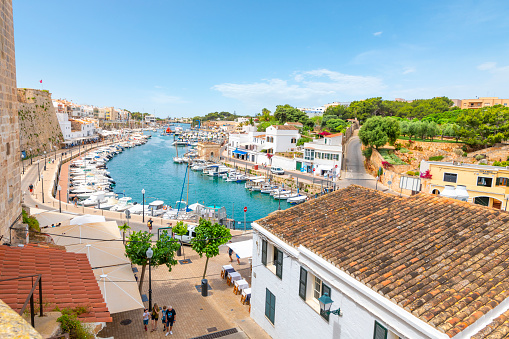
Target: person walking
(170,319)
(149,224)
(31,188)
(163,318)
(145,318)
(230,252)
(155,317)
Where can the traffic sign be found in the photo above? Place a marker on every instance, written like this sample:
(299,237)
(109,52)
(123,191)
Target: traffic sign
(245,209)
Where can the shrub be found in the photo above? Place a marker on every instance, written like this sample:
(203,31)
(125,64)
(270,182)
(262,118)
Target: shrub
(458,151)
(465,154)
(386,164)
(405,150)
(410,172)
(397,146)
(436,158)
(501,163)
(69,323)
(464,148)
(367,152)
(426,175)
(33,224)
(480,157)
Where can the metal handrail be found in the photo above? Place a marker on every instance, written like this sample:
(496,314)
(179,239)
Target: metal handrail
(30,296)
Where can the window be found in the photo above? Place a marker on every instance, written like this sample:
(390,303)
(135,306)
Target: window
(270,305)
(502,181)
(483,181)
(336,156)
(450,177)
(303,283)
(380,331)
(264,252)
(294,141)
(278,262)
(317,288)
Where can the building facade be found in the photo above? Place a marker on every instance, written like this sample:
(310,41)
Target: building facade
(486,185)
(10,166)
(483,102)
(323,156)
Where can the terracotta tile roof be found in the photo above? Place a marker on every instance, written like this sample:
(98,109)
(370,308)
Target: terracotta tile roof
(443,260)
(260,136)
(498,328)
(333,135)
(294,123)
(283,127)
(67,280)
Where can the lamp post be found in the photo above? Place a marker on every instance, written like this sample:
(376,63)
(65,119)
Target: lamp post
(30,156)
(42,186)
(143,202)
(23,162)
(150,253)
(55,153)
(59,188)
(325,305)
(44,160)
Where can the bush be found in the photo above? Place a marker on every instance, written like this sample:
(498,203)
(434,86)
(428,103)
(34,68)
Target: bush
(458,151)
(386,164)
(501,163)
(436,158)
(397,146)
(465,154)
(410,172)
(69,323)
(33,224)
(302,140)
(426,175)
(367,152)
(405,150)
(480,157)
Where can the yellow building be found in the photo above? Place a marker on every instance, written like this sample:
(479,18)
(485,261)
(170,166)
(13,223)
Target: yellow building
(486,185)
(483,102)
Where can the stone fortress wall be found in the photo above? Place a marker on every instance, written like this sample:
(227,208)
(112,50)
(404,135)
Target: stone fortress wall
(10,165)
(38,123)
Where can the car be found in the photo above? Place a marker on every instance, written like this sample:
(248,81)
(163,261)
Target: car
(277,170)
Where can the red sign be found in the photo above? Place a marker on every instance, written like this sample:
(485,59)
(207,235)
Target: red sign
(245,209)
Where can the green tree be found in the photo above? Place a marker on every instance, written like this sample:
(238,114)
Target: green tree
(485,126)
(413,128)
(336,125)
(164,251)
(433,130)
(377,131)
(180,229)
(124,228)
(265,116)
(208,239)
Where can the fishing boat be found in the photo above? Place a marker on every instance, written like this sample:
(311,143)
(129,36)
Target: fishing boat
(297,200)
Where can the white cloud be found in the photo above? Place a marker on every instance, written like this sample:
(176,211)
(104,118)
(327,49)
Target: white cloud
(487,66)
(377,33)
(308,86)
(409,70)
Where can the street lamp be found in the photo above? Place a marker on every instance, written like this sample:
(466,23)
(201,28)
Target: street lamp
(42,187)
(59,188)
(55,153)
(30,156)
(23,162)
(44,160)
(325,305)
(150,253)
(143,202)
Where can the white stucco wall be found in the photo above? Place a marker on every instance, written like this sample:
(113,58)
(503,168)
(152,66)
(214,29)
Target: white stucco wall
(294,318)
(285,163)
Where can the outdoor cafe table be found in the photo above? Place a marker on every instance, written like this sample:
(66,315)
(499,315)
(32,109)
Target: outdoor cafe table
(240,285)
(246,295)
(225,270)
(232,277)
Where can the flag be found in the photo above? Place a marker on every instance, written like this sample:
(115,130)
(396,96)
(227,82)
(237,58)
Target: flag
(40,81)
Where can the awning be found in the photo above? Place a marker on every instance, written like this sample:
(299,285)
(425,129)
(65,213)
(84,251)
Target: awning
(239,152)
(244,249)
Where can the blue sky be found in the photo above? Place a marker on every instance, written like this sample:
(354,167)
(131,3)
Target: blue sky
(188,58)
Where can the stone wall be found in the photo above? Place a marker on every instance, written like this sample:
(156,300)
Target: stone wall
(431,146)
(10,165)
(39,127)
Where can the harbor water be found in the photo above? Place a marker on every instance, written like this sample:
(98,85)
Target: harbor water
(151,167)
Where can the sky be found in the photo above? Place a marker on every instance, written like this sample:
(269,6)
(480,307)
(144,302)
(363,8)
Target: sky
(189,58)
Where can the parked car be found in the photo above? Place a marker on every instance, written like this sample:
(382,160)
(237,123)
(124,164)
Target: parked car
(277,170)
(186,238)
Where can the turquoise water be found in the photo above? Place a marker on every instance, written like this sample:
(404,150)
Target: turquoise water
(151,167)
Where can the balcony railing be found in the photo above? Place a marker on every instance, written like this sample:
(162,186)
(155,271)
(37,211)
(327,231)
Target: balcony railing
(30,297)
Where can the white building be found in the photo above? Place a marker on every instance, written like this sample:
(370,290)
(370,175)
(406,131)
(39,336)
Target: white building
(393,267)
(74,130)
(150,118)
(313,112)
(242,120)
(281,138)
(322,156)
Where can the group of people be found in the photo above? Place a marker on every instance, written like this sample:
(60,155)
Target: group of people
(167,318)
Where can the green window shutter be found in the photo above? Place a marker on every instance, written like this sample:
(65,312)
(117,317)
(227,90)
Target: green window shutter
(279,264)
(380,331)
(264,252)
(270,306)
(498,181)
(303,283)
(325,289)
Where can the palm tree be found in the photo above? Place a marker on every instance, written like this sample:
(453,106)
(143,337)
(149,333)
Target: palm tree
(124,228)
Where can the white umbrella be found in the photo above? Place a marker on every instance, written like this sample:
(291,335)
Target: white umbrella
(87,219)
(119,288)
(102,253)
(84,234)
(244,249)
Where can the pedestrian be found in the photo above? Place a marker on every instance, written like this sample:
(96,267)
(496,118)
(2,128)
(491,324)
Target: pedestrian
(163,318)
(230,252)
(149,224)
(170,319)
(31,188)
(75,201)
(238,258)
(145,318)
(155,317)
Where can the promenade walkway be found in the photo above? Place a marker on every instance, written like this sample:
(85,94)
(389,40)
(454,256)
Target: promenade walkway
(196,315)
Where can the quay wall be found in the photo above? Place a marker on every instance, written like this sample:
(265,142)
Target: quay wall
(38,123)
(10,164)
